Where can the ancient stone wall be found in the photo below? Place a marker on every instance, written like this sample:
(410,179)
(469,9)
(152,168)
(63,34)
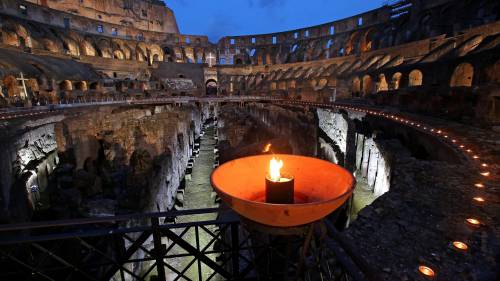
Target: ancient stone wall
(102,162)
(247,130)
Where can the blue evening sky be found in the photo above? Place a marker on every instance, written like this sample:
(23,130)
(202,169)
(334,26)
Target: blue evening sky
(218,18)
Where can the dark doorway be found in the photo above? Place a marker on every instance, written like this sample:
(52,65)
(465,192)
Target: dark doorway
(211,86)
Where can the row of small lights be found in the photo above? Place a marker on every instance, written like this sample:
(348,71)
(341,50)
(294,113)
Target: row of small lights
(472,222)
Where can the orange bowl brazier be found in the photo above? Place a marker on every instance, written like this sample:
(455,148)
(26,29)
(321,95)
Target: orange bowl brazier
(320,188)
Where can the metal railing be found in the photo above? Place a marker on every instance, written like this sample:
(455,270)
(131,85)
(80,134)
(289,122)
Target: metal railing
(155,247)
(20,112)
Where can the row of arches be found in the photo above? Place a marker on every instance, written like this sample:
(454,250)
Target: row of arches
(462,76)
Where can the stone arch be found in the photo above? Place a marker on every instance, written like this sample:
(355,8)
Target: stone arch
(322,83)
(95,86)
(367,84)
(87,48)
(23,35)
(328,47)
(211,87)
(118,54)
(10,83)
(70,46)
(493,72)
(415,78)
(65,85)
(382,84)
(462,75)
(352,45)
(127,50)
(369,40)
(168,54)
(396,80)
(104,48)
(356,85)
(81,86)
(141,51)
(156,52)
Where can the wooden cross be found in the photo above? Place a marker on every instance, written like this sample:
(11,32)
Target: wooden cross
(24,93)
(211,60)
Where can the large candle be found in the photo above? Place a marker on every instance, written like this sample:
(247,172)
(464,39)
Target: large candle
(279,188)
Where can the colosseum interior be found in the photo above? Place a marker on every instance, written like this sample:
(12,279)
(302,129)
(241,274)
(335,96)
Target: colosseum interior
(114,126)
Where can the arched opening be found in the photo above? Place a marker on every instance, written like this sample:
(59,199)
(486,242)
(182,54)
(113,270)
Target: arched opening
(356,85)
(329,44)
(352,45)
(396,80)
(368,43)
(117,54)
(462,76)
(367,85)
(140,56)
(211,87)
(87,48)
(66,86)
(382,84)
(156,57)
(81,86)
(415,78)
(167,54)
(493,72)
(94,86)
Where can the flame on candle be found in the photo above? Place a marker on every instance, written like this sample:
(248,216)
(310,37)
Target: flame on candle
(267,148)
(274,169)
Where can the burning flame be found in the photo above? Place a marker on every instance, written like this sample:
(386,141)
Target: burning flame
(267,148)
(274,169)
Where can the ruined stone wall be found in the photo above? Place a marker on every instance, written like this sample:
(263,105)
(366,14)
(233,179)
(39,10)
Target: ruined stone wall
(245,131)
(28,160)
(101,162)
(142,14)
(364,145)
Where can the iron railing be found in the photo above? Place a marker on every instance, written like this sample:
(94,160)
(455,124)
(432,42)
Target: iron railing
(170,246)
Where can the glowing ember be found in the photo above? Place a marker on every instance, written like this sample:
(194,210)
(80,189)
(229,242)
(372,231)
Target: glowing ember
(274,169)
(473,222)
(427,271)
(475,157)
(460,245)
(484,165)
(267,148)
(478,199)
(486,174)
(479,185)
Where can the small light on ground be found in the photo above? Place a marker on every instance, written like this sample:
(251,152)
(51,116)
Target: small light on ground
(473,222)
(460,245)
(427,271)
